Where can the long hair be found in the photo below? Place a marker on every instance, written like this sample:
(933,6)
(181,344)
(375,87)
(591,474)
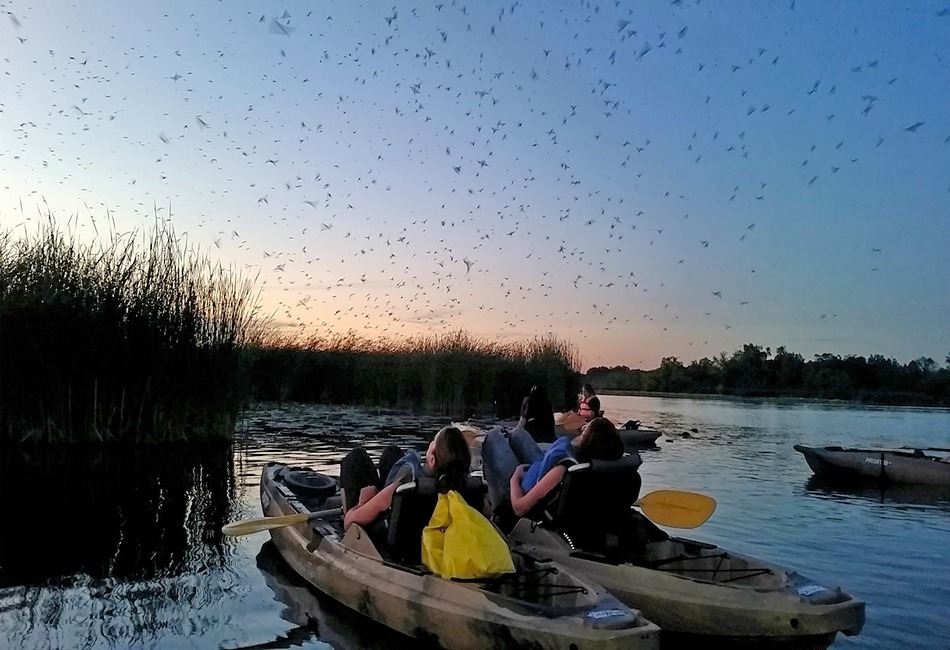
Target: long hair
(600,441)
(453,460)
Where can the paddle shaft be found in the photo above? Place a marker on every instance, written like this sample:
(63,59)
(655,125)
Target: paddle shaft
(251,526)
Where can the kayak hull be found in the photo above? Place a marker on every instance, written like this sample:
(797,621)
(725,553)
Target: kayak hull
(639,437)
(697,589)
(911,466)
(349,568)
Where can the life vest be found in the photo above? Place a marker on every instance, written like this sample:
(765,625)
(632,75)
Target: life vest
(583,408)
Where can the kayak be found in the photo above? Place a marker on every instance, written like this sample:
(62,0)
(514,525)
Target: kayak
(687,587)
(922,466)
(691,587)
(639,437)
(376,573)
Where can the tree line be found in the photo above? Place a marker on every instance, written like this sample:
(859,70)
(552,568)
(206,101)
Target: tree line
(754,371)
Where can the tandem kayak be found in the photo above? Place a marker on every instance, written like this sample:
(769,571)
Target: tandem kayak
(378,572)
(922,466)
(687,587)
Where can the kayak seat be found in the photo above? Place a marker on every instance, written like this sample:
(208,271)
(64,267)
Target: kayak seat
(412,508)
(594,504)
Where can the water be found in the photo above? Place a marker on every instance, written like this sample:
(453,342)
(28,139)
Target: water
(117,550)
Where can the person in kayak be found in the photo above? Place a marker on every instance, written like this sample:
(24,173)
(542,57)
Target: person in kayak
(537,414)
(448,459)
(520,475)
(588,407)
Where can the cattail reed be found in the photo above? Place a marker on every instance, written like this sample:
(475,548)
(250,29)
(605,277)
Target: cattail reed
(450,373)
(119,342)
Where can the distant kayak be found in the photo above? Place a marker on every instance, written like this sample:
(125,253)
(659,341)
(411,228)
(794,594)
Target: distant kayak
(639,437)
(922,466)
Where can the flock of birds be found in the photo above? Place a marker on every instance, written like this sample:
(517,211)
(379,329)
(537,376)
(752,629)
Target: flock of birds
(497,167)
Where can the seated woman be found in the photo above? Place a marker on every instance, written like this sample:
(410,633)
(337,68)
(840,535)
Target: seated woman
(448,459)
(588,408)
(589,405)
(520,474)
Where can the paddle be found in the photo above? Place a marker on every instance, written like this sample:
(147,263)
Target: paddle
(676,508)
(251,526)
(570,421)
(673,508)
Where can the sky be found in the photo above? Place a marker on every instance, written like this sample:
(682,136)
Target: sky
(642,180)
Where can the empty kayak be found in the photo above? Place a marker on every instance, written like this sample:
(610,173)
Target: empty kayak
(922,466)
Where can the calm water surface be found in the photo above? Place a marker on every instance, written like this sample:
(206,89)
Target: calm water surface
(117,550)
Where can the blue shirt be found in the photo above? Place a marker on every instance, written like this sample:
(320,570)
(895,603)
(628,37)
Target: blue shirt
(559,451)
(412,458)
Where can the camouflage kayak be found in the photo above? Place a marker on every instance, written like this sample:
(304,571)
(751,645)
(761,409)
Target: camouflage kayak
(686,586)
(378,572)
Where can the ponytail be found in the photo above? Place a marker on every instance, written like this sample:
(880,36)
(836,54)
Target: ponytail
(453,460)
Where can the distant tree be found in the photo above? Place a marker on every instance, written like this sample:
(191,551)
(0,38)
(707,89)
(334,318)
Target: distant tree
(745,371)
(705,376)
(787,370)
(751,371)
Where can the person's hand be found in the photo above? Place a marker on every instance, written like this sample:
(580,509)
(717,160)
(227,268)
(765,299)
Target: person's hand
(366,494)
(518,473)
(514,486)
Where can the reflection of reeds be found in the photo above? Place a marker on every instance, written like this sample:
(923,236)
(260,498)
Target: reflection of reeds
(112,343)
(450,373)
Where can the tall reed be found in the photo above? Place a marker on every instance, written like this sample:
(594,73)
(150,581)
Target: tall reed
(451,373)
(119,341)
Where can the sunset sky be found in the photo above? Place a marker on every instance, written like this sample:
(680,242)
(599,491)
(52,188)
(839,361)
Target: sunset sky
(641,179)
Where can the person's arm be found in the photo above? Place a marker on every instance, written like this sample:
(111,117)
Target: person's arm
(522,502)
(366,512)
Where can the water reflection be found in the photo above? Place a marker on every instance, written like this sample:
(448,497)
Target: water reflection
(113,513)
(907,497)
(118,549)
(114,548)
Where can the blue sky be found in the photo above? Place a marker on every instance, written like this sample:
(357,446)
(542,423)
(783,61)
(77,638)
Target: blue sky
(644,180)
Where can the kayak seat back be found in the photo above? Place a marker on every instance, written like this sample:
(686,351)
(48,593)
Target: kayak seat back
(412,508)
(595,501)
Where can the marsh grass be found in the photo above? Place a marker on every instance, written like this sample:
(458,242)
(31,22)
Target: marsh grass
(139,339)
(119,341)
(450,373)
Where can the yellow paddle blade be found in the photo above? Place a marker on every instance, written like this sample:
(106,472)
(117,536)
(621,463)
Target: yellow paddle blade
(676,508)
(570,421)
